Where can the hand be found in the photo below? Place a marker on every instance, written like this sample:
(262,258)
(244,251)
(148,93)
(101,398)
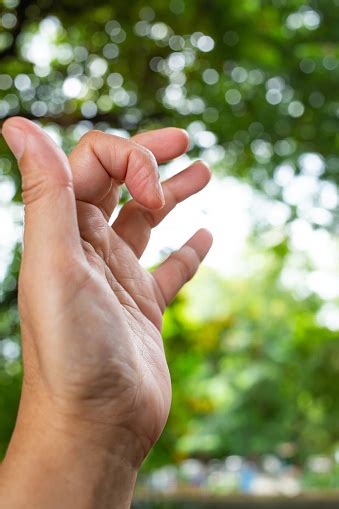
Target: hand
(91,315)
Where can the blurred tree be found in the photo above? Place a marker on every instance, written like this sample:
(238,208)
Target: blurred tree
(251,369)
(255,83)
(256,80)
(10,366)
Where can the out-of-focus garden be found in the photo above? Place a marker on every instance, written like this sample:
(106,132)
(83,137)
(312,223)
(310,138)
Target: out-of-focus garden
(252,342)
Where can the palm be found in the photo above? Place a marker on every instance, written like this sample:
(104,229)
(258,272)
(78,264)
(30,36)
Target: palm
(143,390)
(138,386)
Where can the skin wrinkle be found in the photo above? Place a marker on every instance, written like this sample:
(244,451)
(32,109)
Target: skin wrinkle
(112,282)
(183,264)
(163,304)
(113,192)
(139,307)
(134,151)
(101,203)
(113,258)
(141,174)
(35,190)
(107,254)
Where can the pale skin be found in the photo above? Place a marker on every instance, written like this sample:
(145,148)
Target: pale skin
(96,392)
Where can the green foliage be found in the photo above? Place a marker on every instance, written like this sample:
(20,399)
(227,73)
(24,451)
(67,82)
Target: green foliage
(264,83)
(255,372)
(10,366)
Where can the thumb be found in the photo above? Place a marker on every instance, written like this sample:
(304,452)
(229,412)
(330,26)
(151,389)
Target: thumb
(50,211)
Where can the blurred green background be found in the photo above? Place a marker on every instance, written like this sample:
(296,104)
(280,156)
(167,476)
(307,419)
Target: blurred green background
(253,352)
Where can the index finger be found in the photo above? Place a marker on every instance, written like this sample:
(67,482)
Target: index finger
(166,143)
(101,161)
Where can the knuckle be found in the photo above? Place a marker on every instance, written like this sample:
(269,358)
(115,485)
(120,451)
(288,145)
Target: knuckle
(184,266)
(91,136)
(150,218)
(188,261)
(36,187)
(33,189)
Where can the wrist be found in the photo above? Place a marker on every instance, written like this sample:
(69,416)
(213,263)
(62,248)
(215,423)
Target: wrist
(60,466)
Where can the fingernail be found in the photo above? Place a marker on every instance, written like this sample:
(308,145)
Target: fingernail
(160,193)
(201,161)
(187,137)
(15,139)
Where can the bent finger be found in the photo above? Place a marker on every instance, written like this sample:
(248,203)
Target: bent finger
(102,161)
